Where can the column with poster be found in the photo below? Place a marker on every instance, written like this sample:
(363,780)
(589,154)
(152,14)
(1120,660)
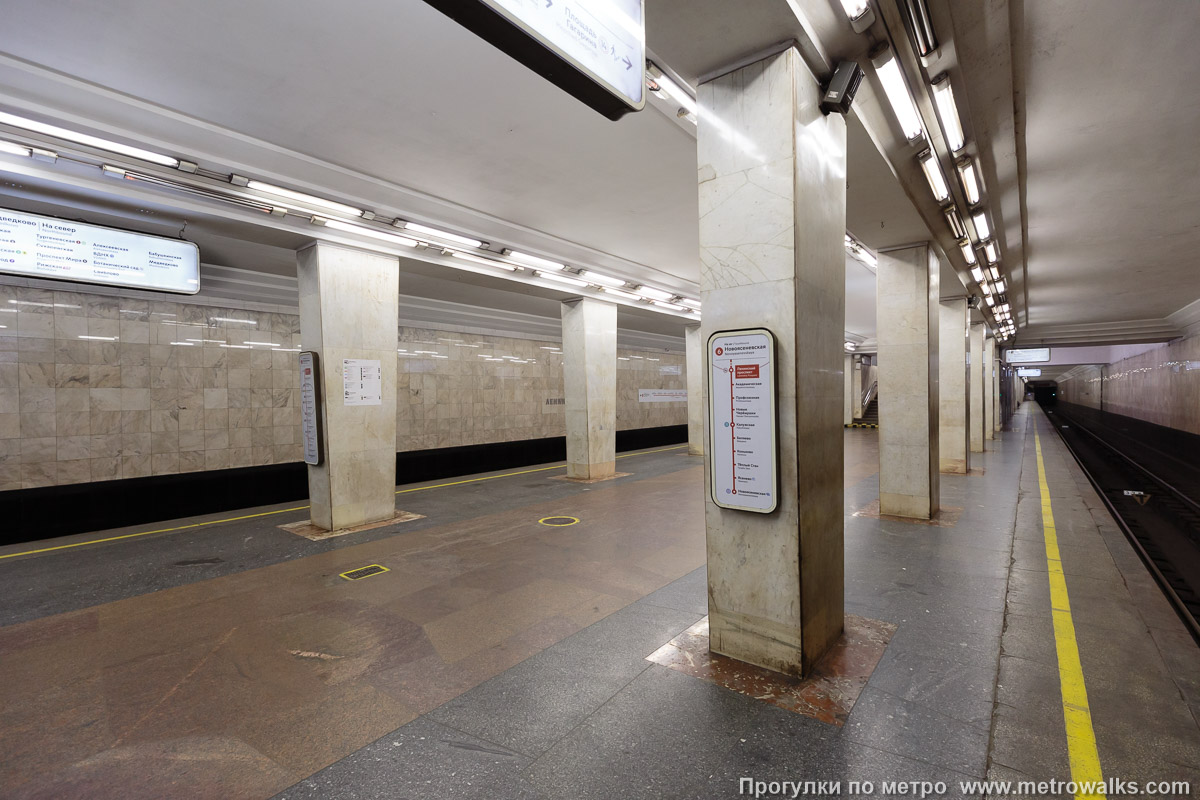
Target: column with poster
(741,420)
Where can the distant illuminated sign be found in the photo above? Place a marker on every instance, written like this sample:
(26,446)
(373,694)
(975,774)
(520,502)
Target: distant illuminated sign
(46,247)
(1030,356)
(603,42)
(1029,372)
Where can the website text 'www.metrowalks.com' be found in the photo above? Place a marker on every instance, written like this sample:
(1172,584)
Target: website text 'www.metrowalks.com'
(1110,787)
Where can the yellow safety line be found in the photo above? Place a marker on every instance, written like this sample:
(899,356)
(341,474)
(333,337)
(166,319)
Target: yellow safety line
(296,508)
(1077,717)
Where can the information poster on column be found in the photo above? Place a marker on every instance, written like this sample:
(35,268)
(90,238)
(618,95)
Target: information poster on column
(742,420)
(310,424)
(362,380)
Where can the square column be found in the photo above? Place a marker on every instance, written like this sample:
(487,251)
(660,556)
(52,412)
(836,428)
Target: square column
(856,387)
(848,382)
(997,369)
(953,438)
(977,384)
(772,175)
(907,315)
(694,358)
(349,311)
(989,388)
(589,335)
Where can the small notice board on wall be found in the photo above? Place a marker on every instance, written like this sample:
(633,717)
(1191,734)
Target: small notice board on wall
(310,416)
(742,420)
(362,382)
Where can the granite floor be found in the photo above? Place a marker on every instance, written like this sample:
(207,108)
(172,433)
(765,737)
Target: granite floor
(502,658)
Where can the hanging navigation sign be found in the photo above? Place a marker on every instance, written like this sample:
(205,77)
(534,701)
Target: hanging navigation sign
(595,50)
(310,418)
(742,421)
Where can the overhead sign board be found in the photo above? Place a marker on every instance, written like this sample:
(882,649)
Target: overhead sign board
(310,418)
(1031,356)
(1029,372)
(593,49)
(47,247)
(742,420)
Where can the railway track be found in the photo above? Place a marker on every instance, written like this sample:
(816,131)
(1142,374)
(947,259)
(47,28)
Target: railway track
(1151,493)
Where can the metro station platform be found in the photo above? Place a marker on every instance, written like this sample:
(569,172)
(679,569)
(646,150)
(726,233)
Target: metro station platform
(503,657)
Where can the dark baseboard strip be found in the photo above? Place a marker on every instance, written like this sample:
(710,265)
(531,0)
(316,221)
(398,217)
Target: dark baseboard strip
(46,512)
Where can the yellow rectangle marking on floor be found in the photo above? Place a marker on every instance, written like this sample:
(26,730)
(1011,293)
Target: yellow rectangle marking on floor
(1077,717)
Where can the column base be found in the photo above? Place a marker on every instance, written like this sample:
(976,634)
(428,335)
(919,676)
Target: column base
(591,480)
(310,530)
(902,505)
(953,466)
(757,641)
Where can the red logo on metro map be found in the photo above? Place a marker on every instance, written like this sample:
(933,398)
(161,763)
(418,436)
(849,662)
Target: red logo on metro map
(720,351)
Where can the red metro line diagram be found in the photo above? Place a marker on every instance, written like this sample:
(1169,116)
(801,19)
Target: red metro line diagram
(741,418)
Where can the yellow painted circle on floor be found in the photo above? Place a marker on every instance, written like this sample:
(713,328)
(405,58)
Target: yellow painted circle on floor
(558,521)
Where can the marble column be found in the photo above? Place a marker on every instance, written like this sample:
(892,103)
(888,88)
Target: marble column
(976,381)
(856,388)
(349,310)
(589,335)
(989,388)
(997,369)
(848,382)
(696,404)
(906,324)
(772,175)
(953,437)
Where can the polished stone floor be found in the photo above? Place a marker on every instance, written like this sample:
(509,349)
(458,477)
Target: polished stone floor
(502,658)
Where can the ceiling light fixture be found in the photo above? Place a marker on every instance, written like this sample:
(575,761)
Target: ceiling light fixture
(969,180)
(994,272)
(977,274)
(452,237)
(305,199)
(690,303)
(954,220)
(87,140)
(888,70)
(534,261)
(487,262)
(672,89)
(991,252)
(362,230)
(15,149)
(650,293)
(982,229)
(849,345)
(559,278)
(860,14)
(672,306)
(603,280)
(991,301)
(933,174)
(943,99)
(1000,286)
(968,251)
(920,27)
(624,294)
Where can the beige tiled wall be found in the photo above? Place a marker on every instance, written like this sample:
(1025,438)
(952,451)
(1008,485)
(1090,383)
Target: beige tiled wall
(96,387)
(1160,386)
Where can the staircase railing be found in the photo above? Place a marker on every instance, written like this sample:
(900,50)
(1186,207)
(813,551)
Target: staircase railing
(869,395)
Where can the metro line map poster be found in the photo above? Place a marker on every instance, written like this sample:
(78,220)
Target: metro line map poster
(741,420)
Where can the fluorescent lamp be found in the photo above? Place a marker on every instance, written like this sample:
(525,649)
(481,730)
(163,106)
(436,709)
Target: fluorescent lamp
(954,220)
(943,98)
(1004,309)
(229,319)
(849,345)
(933,174)
(672,89)
(487,262)
(888,70)
(968,251)
(854,8)
(602,280)
(977,274)
(304,199)
(264,344)
(994,272)
(87,140)
(986,288)
(620,293)
(452,237)
(559,278)
(982,229)
(991,301)
(689,302)
(15,149)
(534,261)
(672,306)
(969,180)
(651,293)
(363,230)
(1000,286)
(991,252)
